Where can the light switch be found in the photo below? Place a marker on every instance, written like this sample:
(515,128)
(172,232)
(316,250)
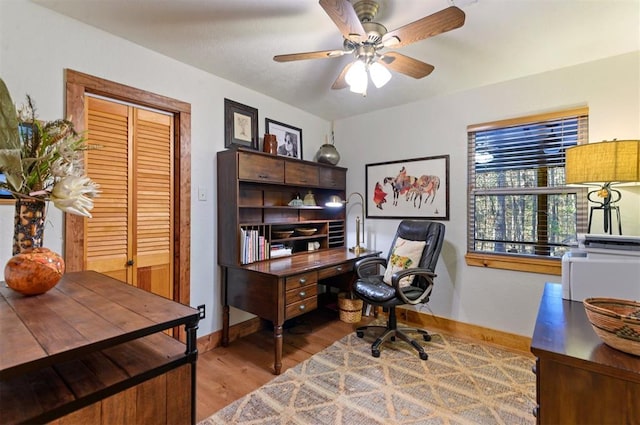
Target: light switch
(202,194)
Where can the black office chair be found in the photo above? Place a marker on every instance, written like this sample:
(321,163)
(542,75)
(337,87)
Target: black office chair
(411,285)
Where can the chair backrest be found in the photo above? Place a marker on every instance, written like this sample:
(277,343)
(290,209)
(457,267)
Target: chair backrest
(431,232)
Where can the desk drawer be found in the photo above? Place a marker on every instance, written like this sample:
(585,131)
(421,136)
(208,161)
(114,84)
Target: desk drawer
(302,293)
(299,280)
(301,307)
(301,174)
(335,270)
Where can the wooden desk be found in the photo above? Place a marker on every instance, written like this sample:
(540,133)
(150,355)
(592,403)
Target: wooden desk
(283,288)
(89,348)
(579,379)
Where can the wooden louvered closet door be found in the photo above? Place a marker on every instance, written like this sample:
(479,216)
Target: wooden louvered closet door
(129,236)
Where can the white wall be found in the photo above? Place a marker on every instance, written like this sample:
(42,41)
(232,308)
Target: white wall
(492,298)
(36,45)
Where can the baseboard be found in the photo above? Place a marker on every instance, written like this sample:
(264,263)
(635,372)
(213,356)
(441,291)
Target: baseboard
(414,318)
(487,335)
(214,340)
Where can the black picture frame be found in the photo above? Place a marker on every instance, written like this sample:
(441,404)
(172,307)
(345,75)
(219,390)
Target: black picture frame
(283,131)
(408,188)
(240,125)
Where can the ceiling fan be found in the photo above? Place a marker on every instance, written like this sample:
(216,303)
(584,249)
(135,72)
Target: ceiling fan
(366,40)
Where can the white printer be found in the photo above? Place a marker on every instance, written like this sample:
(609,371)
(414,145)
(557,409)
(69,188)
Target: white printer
(602,266)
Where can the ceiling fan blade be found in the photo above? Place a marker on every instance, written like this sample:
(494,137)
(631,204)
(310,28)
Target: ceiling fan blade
(341,82)
(406,65)
(344,16)
(323,54)
(443,21)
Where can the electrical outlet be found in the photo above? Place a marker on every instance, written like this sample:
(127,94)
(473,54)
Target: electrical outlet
(202,311)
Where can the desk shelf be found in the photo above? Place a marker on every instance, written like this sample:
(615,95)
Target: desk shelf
(256,189)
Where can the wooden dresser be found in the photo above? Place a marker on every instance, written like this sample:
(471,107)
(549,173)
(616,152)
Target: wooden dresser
(579,379)
(92,350)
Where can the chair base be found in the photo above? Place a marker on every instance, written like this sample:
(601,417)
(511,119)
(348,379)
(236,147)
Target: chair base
(391,332)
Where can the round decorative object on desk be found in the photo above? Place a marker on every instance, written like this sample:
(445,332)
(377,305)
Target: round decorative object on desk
(327,154)
(34,271)
(309,200)
(616,322)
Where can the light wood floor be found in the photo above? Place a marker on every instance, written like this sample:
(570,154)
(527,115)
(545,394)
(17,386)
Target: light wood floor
(226,374)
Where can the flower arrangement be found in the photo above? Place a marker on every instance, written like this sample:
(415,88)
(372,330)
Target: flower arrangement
(43,160)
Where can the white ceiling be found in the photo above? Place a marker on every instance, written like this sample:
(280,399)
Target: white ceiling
(237,39)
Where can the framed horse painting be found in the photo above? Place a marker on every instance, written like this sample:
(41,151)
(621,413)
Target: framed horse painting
(409,188)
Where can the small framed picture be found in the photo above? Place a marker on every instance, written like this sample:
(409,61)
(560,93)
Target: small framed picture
(240,125)
(289,138)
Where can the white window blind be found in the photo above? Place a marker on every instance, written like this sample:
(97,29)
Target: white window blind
(518,201)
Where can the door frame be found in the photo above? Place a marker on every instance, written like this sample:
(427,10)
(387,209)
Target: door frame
(77,85)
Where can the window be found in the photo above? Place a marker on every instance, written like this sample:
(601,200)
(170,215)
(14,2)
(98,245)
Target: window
(520,210)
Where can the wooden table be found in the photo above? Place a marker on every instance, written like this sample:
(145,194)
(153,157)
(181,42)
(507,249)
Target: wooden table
(283,288)
(88,347)
(579,379)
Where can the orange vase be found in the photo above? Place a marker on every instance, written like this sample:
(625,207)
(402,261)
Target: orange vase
(34,271)
(270,144)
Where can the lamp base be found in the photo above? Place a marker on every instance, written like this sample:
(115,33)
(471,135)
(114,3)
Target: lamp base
(610,197)
(358,249)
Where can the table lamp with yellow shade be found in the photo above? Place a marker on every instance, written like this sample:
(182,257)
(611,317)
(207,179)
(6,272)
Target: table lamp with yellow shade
(604,163)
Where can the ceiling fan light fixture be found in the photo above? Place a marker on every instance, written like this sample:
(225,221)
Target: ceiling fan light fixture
(357,77)
(379,74)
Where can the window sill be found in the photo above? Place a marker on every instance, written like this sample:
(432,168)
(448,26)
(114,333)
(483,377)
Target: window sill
(520,264)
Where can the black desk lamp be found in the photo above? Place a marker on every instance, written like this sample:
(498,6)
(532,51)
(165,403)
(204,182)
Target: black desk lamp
(336,201)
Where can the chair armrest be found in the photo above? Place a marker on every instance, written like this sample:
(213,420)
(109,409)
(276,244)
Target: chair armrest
(362,265)
(428,276)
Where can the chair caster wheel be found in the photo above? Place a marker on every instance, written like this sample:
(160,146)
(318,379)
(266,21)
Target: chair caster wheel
(426,337)
(360,334)
(375,353)
(424,356)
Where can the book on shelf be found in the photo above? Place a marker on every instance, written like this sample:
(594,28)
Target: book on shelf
(281,252)
(253,245)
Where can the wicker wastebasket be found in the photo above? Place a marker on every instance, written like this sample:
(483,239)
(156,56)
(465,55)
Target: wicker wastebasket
(350,308)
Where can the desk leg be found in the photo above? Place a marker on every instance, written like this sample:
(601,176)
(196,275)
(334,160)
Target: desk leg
(225,326)
(277,342)
(225,309)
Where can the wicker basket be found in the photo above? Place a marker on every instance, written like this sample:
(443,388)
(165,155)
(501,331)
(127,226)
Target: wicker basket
(616,322)
(350,308)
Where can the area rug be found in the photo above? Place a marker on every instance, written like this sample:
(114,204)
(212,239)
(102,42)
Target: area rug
(462,382)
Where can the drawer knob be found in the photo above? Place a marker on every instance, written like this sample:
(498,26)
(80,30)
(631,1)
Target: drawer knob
(302,294)
(303,281)
(302,307)
(339,268)
(263,176)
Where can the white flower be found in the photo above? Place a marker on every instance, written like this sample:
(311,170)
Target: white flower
(73,194)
